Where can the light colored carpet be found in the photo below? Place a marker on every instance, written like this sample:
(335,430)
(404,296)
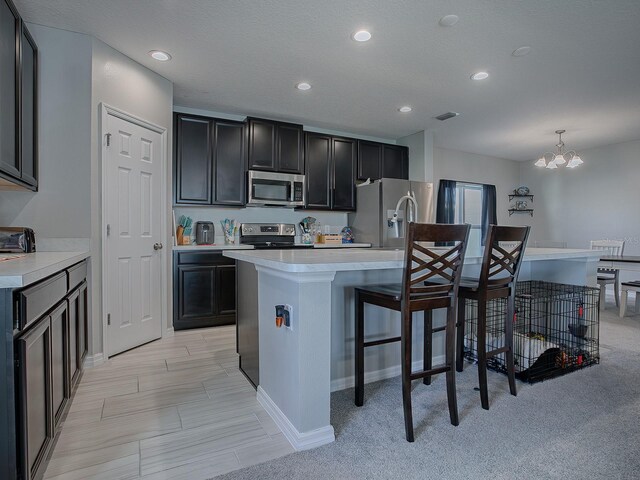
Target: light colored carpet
(582,425)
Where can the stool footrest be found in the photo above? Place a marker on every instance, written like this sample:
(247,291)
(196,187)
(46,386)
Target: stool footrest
(439,329)
(428,373)
(381,342)
(497,351)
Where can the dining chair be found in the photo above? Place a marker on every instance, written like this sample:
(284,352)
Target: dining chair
(498,277)
(430,281)
(609,276)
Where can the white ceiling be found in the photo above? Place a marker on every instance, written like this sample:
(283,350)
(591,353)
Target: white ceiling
(245,57)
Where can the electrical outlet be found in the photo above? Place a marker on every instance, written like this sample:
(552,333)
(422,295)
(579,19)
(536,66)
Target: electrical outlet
(289,318)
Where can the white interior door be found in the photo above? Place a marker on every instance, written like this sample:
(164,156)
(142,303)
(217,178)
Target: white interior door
(133,252)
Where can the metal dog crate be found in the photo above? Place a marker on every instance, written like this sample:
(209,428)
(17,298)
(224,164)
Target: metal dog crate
(556,329)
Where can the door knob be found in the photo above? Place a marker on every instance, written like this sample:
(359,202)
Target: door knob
(157,246)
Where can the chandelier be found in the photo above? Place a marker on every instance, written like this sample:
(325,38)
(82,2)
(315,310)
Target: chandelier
(560,157)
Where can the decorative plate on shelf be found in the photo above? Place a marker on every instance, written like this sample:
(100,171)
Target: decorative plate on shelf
(522,190)
(521,205)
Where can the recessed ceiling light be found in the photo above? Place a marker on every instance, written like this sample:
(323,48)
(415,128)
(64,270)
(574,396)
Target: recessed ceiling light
(303,86)
(160,55)
(361,36)
(405,109)
(522,51)
(448,20)
(479,76)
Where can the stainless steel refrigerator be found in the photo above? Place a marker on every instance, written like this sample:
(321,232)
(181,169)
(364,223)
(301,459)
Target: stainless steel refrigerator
(376,203)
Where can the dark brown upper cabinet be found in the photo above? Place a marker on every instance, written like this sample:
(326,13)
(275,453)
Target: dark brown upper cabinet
(330,172)
(378,160)
(275,146)
(395,161)
(209,161)
(369,160)
(29,109)
(9,80)
(18,101)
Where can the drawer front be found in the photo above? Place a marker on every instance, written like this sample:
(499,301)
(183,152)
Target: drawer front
(39,299)
(203,258)
(77,274)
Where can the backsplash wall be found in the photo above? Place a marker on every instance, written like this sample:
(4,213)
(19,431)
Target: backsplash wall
(336,220)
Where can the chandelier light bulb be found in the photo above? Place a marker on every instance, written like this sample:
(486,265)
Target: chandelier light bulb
(541,162)
(559,159)
(577,160)
(552,164)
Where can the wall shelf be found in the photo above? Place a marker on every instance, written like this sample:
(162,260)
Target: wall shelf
(521,210)
(515,195)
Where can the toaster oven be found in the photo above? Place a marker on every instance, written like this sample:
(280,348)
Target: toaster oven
(17,239)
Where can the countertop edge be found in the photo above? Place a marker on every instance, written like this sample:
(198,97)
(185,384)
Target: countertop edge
(20,280)
(382,264)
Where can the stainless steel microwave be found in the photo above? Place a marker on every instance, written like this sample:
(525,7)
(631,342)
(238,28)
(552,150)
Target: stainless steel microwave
(280,189)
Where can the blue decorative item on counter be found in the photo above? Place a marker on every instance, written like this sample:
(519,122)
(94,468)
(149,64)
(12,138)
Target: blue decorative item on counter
(347,235)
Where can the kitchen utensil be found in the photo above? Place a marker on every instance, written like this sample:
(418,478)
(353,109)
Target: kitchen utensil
(205,233)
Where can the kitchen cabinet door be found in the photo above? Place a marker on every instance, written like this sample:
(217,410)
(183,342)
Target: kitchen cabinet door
(74,365)
(344,173)
(196,296)
(60,390)
(226,289)
(35,418)
(29,109)
(193,160)
(262,145)
(395,162)
(290,149)
(318,170)
(83,324)
(229,163)
(9,37)
(369,160)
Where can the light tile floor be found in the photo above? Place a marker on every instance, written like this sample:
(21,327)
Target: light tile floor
(176,408)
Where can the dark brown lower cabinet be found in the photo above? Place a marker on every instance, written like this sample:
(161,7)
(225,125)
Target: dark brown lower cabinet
(204,290)
(60,391)
(77,311)
(48,363)
(34,396)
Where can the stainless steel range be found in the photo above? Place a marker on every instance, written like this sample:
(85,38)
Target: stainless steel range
(270,235)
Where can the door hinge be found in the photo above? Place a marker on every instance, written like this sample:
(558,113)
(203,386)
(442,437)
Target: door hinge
(108,137)
(108,229)
(108,319)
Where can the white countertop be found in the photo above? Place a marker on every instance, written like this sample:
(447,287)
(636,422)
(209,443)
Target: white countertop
(25,270)
(373,259)
(222,246)
(215,246)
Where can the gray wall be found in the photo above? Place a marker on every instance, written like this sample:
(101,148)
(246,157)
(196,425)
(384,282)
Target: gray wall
(122,83)
(469,167)
(62,207)
(598,200)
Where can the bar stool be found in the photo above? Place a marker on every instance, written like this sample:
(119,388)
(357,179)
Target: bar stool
(498,276)
(626,288)
(430,281)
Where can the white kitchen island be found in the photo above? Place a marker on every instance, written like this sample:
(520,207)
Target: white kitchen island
(300,366)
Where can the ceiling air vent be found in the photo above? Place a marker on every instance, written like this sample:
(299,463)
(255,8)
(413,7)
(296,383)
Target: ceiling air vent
(447,116)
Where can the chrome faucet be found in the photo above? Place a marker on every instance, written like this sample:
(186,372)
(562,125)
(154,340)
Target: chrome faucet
(412,214)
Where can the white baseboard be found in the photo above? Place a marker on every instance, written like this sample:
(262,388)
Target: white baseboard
(374,376)
(91,361)
(299,441)
(169,332)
